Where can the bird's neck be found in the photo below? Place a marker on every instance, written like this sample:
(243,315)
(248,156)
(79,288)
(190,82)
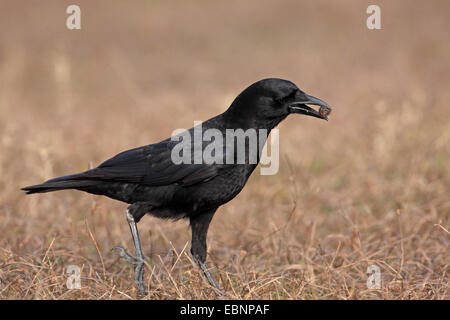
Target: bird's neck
(231,120)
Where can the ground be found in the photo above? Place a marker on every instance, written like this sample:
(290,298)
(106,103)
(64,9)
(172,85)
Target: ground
(368,188)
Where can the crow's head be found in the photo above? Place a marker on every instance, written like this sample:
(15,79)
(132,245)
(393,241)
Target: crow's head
(272,100)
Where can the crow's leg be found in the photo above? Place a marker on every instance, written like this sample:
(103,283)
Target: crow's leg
(137,261)
(199,226)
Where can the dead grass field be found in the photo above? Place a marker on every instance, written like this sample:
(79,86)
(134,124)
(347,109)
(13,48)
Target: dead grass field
(371,186)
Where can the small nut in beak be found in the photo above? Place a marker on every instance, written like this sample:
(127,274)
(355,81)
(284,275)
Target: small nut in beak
(324,112)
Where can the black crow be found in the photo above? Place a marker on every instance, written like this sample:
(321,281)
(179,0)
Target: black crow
(153,180)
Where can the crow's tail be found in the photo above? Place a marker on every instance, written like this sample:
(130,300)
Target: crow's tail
(73,181)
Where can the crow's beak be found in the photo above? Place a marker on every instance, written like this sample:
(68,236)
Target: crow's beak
(300,106)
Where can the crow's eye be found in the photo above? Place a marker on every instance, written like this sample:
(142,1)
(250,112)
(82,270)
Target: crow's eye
(284,99)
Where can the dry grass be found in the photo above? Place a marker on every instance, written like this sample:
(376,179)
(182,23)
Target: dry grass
(369,187)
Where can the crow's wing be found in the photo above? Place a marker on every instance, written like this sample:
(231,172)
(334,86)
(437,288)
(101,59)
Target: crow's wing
(151,165)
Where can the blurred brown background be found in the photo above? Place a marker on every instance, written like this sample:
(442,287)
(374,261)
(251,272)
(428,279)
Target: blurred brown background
(371,186)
